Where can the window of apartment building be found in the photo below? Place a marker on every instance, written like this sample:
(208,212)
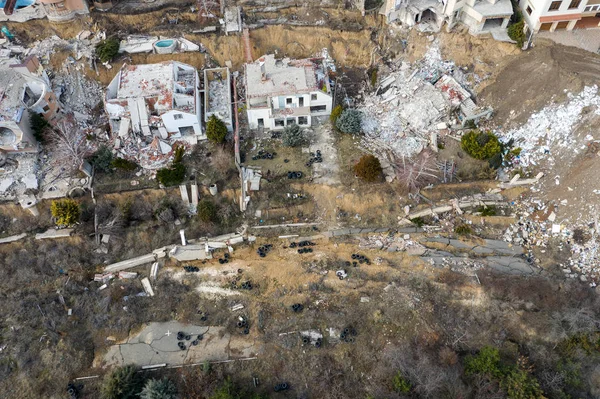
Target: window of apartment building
(318,108)
(592,8)
(46,108)
(529,10)
(279,123)
(177,116)
(288,100)
(302,120)
(313,97)
(290,121)
(555,5)
(574,4)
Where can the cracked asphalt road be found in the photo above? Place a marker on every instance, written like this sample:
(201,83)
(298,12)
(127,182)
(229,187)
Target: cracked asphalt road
(157,343)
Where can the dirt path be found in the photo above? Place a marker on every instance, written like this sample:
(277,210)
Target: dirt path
(326,172)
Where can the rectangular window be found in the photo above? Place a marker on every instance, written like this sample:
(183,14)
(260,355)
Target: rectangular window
(555,5)
(177,116)
(290,121)
(529,10)
(279,123)
(288,100)
(318,108)
(574,4)
(588,8)
(313,97)
(303,120)
(46,108)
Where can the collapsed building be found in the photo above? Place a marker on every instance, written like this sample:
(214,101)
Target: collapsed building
(413,104)
(24,89)
(481,16)
(54,10)
(151,107)
(217,97)
(285,92)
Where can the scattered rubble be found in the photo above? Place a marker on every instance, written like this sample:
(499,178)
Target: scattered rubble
(552,128)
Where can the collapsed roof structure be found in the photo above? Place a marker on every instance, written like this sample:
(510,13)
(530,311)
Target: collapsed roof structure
(24,89)
(151,107)
(415,101)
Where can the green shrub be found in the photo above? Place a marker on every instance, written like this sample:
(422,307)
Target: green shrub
(174,174)
(516,32)
(216,131)
(171,176)
(207,211)
(373,77)
(486,362)
(418,221)
(107,49)
(349,122)
(335,114)
(66,212)
(124,164)
(102,159)
(516,381)
(122,383)
(401,385)
(463,230)
(292,136)
(159,389)
(487,210)
(368,168)
(480,145)
(39,124)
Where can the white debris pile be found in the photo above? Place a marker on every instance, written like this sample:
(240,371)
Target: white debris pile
(431,67)
(390,242)
(402,112)
(585,260)
(327,60)
(18,174)
(552,128)
(76,92)
(218,99)
(407,107)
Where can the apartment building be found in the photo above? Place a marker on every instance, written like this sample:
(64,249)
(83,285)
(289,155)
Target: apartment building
(285,92)
(555,15)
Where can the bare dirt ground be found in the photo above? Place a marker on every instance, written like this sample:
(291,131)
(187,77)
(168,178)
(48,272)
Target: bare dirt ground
(536,78)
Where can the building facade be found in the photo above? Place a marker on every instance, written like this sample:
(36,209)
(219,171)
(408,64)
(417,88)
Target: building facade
(481,16)
(24,89)
(54,10)
(285,92)
(555,15)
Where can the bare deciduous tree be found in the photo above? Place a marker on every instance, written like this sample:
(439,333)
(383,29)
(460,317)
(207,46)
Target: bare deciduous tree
(67,143)
(417,172)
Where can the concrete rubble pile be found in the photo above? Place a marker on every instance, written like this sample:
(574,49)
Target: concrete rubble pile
(407,108)
(537,228)
(552,128)
(391,243)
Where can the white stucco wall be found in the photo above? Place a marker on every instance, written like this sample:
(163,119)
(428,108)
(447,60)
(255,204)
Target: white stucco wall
(172,125)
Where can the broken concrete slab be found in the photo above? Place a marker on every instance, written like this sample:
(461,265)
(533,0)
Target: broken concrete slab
(157,343)
(190,252)
(54,233)
(10,239)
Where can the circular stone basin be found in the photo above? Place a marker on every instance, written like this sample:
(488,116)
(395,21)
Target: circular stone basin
(7,136)
(166,46)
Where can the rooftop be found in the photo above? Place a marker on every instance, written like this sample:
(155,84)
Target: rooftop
(11,85)
(270,77)
(149,80)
